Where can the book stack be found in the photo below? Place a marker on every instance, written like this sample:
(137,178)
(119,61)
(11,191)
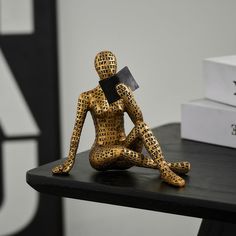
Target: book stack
(213,118)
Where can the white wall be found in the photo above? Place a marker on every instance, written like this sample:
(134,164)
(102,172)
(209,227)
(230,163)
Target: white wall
(163,43)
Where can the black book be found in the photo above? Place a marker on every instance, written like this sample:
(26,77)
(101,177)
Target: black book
(109,85)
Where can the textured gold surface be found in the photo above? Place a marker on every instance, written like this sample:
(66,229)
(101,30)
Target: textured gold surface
(112,149)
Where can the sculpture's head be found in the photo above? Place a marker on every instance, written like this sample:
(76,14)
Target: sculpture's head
(105,64)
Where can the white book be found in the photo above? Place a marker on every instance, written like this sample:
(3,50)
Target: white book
(219,75)
(208,121)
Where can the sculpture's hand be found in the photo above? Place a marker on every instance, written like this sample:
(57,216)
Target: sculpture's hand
(58,169)
(63,168)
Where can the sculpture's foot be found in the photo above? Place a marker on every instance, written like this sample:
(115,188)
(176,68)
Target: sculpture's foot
(62,169)
(168,176)
(182,167)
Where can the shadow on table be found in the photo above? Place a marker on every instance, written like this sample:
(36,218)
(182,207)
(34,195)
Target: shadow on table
(118,178)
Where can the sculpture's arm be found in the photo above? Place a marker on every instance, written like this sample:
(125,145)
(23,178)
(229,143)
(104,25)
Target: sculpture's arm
(82,108)
(131,105)
(133,110)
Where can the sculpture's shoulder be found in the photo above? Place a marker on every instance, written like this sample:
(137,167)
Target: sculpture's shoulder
(85,95)
(88,96)
(84,98)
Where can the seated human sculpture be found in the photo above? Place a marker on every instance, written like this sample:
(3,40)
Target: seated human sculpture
(112,149)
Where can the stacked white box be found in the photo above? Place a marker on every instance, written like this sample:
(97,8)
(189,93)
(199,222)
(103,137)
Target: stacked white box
(220,79)
(213,119)
(208,121)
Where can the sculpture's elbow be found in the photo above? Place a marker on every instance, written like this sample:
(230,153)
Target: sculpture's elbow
(138,119)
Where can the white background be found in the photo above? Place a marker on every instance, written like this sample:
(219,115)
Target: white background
(163,43)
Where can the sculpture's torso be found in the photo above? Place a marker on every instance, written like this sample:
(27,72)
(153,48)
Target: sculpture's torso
(108,119)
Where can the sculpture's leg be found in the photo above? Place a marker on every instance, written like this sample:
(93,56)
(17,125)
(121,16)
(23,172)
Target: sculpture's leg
(105,158)
(133,140)
(147,162)
(144,161)
(182,167)
(142,131)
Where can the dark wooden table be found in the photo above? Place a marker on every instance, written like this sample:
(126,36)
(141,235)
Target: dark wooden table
(210,191)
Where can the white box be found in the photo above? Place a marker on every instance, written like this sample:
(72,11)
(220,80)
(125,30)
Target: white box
(208,121)
(219,74)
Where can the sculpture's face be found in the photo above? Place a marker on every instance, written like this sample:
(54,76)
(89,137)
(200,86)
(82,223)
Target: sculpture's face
(105,64)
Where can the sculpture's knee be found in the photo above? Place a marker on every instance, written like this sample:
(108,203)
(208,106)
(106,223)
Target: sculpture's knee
(103,158)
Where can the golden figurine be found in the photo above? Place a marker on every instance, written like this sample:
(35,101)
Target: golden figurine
(112,149)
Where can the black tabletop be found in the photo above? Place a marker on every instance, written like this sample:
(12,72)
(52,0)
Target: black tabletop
(210,190)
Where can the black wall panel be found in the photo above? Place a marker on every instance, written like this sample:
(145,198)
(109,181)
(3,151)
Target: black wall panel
(32,59)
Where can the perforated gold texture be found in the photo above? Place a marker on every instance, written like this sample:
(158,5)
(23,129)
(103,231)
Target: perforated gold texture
(112,149)
(105,64)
